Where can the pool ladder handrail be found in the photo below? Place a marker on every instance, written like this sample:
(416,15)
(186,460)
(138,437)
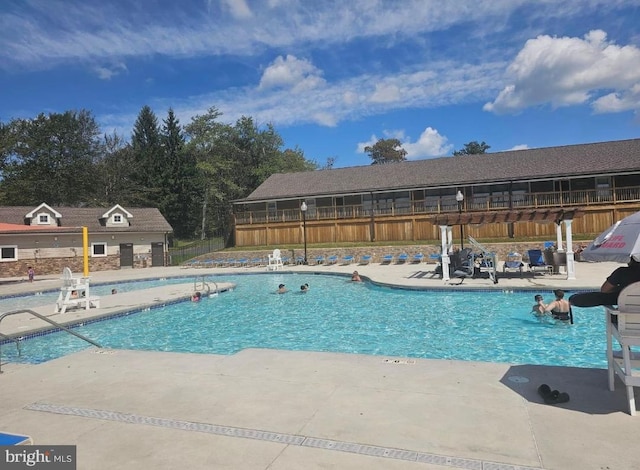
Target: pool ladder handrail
(48,320)
(204,283)
(15,340)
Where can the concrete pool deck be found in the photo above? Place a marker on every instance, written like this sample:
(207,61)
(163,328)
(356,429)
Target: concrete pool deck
(268,409)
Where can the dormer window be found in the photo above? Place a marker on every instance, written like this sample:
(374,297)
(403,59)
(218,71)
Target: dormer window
(43,219)
(117,218)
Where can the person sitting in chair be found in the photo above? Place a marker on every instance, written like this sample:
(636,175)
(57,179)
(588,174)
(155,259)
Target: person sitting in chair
(622,277)
(560,307)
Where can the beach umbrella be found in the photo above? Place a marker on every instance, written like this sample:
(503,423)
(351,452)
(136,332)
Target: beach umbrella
(618,243)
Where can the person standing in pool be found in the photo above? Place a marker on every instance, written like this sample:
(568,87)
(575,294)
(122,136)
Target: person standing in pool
(560,307)
(281,289)
(539,307)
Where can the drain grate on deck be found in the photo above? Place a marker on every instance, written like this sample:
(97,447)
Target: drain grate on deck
(399,361)
(281,438)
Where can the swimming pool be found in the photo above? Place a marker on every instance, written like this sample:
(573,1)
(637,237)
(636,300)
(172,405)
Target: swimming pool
(341,316)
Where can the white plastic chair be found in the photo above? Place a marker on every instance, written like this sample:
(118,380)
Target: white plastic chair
(275,261)
(627,332)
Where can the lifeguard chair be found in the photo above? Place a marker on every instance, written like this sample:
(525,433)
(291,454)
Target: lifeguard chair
(75,293)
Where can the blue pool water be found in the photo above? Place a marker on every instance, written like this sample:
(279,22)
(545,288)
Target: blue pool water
(340,316)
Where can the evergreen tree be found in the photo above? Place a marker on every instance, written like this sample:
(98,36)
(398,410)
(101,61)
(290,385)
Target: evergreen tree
(148,153)
(178,184)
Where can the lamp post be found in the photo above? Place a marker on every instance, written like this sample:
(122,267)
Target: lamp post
(303,208)
(460,199)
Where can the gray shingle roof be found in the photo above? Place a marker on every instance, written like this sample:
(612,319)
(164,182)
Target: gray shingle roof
(143,220)
(571,160)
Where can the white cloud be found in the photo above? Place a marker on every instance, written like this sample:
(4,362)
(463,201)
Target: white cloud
(570,71)
(361,145)
(334,102)
(429,144)
(518,147)
(617,102)
(385,93)
(106,73)
(43,34)
(290,72)
(238,8)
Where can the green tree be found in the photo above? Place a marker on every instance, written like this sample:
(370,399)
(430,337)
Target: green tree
(50,158)
(177,180)
(148,156)
(473,148)
(116,175)
(208,142)
(386,151)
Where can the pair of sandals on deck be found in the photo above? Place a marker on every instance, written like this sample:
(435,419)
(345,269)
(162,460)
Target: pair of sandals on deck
(552,397)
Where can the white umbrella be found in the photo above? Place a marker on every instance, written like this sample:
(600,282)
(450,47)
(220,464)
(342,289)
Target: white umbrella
(618,243)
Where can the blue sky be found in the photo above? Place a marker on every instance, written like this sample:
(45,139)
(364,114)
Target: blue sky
(335,76)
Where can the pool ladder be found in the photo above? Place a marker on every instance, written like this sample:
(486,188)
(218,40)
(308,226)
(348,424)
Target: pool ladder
(41,317)
(201,283)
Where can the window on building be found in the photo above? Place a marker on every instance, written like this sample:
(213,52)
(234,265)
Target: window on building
(43,219)
(117,218)
(9,253)
(98,249)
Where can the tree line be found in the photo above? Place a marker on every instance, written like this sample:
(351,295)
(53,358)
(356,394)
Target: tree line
(190,173)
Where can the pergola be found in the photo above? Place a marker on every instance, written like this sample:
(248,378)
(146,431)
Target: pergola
(558,216)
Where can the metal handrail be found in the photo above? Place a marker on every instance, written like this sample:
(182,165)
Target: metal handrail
(205,285)
(48,320)
(15,340)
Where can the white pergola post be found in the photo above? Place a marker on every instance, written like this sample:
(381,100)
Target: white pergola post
(445,236)
(559,236)
(571,267)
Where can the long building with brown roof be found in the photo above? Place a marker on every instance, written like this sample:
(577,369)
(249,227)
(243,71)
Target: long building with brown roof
(408,200)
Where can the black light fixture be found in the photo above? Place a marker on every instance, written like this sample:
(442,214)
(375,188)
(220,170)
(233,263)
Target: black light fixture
(460,199)
(303,208)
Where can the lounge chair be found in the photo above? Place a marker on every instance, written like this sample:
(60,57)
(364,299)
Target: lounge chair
(333,259)
(623,324)
(417,258)
(462,265)
(513,263)
(387,259)
(402,258)
(348,259)
(319,259)
(275,261)
(257,261)
(537,263)
(365,259)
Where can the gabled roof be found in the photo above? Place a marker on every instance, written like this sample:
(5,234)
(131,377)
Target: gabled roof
(520,165)
(142,220)
(117,207)
(31,214)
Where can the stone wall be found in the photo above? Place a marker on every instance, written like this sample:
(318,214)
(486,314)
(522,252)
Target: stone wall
(44,266)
